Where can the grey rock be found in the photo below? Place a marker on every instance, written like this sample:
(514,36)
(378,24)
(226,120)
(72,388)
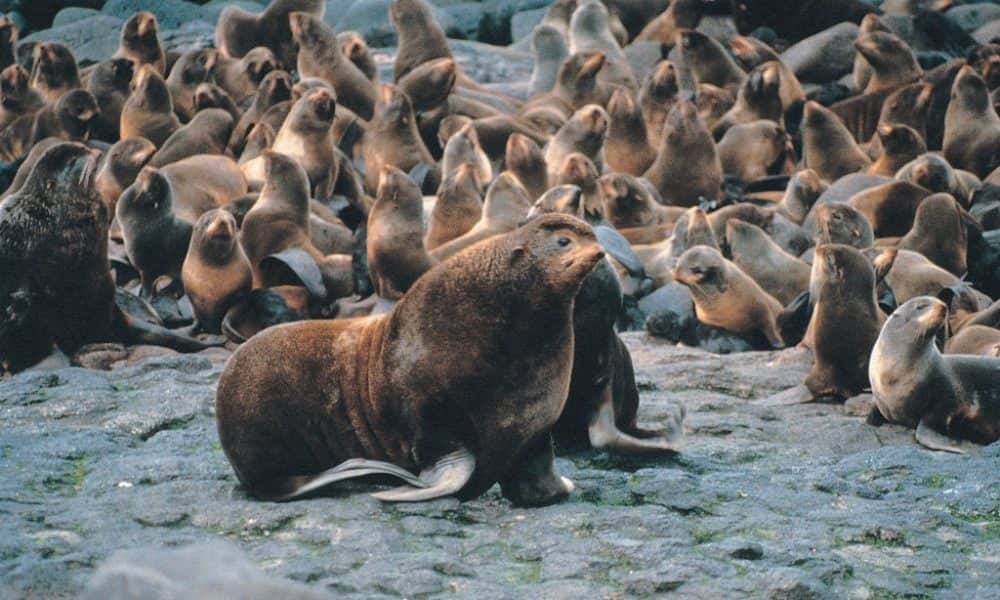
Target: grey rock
(467,17)
(72,14)
(824,56)
(91,40)
(524,22)
(210,12)
(170,14)
(370,18)
(189,36)
(972,16)
(987,32)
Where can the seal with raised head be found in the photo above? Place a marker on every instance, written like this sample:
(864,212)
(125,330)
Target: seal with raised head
(206,133)
(900,145)
(458,208)
(971,126)
(775,271)
(392,139)
(463,421)
(892,61)
(939,233)
(627,148)
(140,42)
(658,94)
(238,31)
(944,396)
(189,71)
(149,111)
(687,169)
(524,160)
(109,82)
(827,146)
(216,272)
(54,71)
(505,207)
(17,97)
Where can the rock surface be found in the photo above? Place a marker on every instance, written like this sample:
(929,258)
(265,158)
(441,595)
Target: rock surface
(802,501)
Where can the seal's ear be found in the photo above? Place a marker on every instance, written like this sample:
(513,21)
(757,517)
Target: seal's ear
(516,253)
(883,263)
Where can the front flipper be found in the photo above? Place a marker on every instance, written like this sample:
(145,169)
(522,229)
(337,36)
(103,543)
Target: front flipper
(929,438)
(293,266)
(605,435)
(531,480)
(350,469)
(445,477)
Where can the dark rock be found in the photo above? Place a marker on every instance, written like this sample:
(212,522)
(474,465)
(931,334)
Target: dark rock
(91,40)
(170,14)
(825,56)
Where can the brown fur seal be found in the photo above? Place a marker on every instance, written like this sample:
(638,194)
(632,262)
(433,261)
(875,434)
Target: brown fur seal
(576,86)
(506,206)
(17,97)
(463,148)
(191,70)
(119,167)
(908,105)
(939,233)
(862,71)
(628,204)
(804,188)
(943,396)
(68,119)
(276,87)
(526,162)
(207,133)
(589,30)
(687,168)
(395,243)
(753,52)
(691,229)
(758,98)
(584,133)
(900,144)
(932,172)
(320,57)
(240,77)
(140,42)
(656,97)
(54,246)
(238,31)
(387,425)
(279,221)
(54,71)
(550,49)
(777,272)
(680,14)
(430,85)
(974,339)
(709,61)
(827,146)
(627,147)
(712,103)
(893,62)
(750,151)
(725,297)
(458,207)
(890,207)
(209,95)
(579,171)
(353,46)
(392,139)
(421,38)
(971,126)
(148,112)
(109,82)
(840,223)
(216,272)
(914,275)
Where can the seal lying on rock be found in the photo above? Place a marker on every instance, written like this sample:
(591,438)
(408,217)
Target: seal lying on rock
(461,381)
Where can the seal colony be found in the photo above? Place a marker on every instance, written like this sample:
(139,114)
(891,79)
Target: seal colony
(422,276)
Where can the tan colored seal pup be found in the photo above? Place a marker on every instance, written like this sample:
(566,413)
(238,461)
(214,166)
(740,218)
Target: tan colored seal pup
(682,14)
(932,172)
(687,168)
(458,208)
(463,148)
(119,167)
(576,86)
(525,161)
(17,97)
(944,396)
(109,82)
(658,94)
(726,297)
(395,238)
(913,274)
(900,145)
(421,38)
(827,146)
(627,147)
(320,57)
(550,49)
(841,223)
(777,272)
(207,133)
(628,204)
(149,112)
(750,151)
(430,85)
(395,423)
(140,42)
(216,272)
(890,207)
(971,126)
(892,61)
(589,30)
(238,31)
(276,87)
(845,319)
(505,208)
(189,71)
(392,139)
(210,95)
(804,188)
(753,52)
(353,46)
(579,171)
(709,61)
(974,339)
(585,133)
(758,98)
(54,71)
(68,119)
(939,233)
(241,77)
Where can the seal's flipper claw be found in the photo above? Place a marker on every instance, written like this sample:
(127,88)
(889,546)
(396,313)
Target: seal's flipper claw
(447,476)
(928,438)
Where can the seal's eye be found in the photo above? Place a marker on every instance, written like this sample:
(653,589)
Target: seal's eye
(564,241)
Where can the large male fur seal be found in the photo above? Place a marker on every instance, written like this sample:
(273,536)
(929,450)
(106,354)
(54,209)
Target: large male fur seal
(465,397)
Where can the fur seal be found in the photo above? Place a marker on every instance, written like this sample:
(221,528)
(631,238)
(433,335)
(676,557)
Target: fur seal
(709,61)
(17,97)
(943,396)
(974,339)
(140,42)
(845,319)
(148,112)
(54,71)
(827,146)
(841,223)
(320,57)
(207,133)
(913,274)
(589,31)
(712,102)
(862,71)
(691,229)
(216,272)
(627,147)
(576,86)
(939,233)
(900,144)
(463,148)
(579,171)
(892,61)
(506,206)
(210,95)
(68,119)
(421,38)
(890,207)
(585,133)
(395,243)
(658,94)
(189,71)
(803,190)
(751,151)
(458,207)
(109,83)
(758,98)
(971,126)
(777,272)
(550,49)
(687,168)
(240,77)
(459,449)
(932,172)
(119,166)
(276,87)
(353,46)
(392,139)
(725,297)
(753,52)
(678,15)
(525,161)
(54,246)
(238,31)
(629,204)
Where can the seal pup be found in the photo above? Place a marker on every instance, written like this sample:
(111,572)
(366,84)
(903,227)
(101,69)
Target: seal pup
(753,53)
(392,139)
(893,63)
(353,46)
(119,166)
(943,396)
(585,133)
(238,31)
(576,86)
(109,82)
(827,146)
(939,233)
(463,147)
(241,77)
(207,133)
(140,42)
(461,448)
(458,208)
(971,126)
(54,71)
(149,112)
(751,151)
(276,87)
(550,49)
(506,206)
(216,272)
(395,243)
(209,95)
(845,319)
(589,30)
(687,168)
(629,204)
(17,97)
(682,14)
(709,61)
(189,71)
(725,297)
(54,246)
(627,147)
(68,119)
(932,172)
(803,190)
(890,207)
(900,145)
(320,57)
(777,272)
(974,339)
(524,160)
(841,223)
(658,94)
(758,98)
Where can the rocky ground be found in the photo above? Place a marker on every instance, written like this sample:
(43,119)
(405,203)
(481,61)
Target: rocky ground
(801,501)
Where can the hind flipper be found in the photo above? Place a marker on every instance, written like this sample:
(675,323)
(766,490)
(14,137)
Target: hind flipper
(931,439)
(445,477)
